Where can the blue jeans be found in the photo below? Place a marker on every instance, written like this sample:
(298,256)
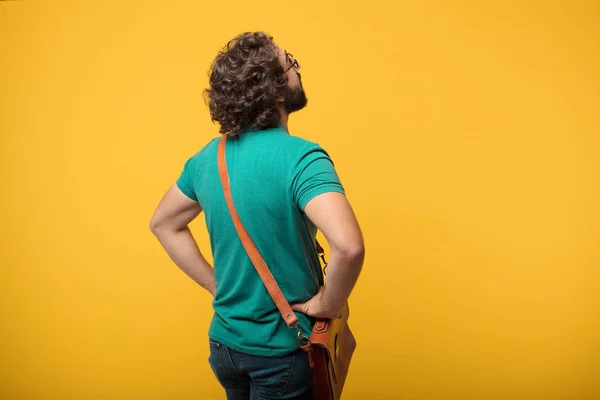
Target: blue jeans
(248,377)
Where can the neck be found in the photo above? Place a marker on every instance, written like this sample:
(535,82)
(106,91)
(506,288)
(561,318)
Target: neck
(284,117)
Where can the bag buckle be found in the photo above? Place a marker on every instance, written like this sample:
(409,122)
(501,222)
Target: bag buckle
(305,345)
(303,340)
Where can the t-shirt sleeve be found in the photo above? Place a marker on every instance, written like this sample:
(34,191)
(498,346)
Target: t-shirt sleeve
(185,183)
(314,174)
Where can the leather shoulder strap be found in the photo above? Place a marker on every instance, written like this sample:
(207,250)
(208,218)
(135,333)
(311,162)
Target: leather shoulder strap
(263,271)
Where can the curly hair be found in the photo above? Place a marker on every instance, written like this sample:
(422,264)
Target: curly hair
(246,79)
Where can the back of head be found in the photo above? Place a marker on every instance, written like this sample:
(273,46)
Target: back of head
(246,79)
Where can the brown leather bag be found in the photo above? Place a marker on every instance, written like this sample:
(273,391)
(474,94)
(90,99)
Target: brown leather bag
(331,344)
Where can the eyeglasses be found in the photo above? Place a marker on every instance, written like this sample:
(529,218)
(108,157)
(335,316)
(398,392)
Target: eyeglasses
(292,59)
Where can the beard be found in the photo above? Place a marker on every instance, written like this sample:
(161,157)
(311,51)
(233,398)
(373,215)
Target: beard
(294,99)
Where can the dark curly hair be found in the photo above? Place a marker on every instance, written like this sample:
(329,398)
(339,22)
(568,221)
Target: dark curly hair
(246,79)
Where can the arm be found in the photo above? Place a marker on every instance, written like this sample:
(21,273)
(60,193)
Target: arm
(332,214)
(170,225)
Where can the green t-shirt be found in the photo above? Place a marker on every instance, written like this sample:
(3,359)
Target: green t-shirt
(273,175)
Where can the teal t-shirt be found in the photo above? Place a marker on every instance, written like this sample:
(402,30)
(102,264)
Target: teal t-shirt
(273,175)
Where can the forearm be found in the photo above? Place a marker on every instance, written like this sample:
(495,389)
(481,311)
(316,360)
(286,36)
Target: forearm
(342,273)
(183,250)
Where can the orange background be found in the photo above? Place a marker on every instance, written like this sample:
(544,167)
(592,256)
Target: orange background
(465,133)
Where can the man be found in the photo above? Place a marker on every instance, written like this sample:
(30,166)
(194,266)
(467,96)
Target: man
(284,189)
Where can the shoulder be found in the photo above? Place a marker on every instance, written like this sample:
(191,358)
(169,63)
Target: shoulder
(299,148)
(201,155)
(275,144)
(306,151)
(195,164)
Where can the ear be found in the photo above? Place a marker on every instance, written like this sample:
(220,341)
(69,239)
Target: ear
(279,99)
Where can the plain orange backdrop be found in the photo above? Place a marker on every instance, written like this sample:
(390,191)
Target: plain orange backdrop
(466,134)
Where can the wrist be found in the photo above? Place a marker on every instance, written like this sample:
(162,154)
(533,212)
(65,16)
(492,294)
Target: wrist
(330,305)
(211,288)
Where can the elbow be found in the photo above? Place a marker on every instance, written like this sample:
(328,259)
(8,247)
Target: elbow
(155,226)
(164,226)
(354,252)
(358,253)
